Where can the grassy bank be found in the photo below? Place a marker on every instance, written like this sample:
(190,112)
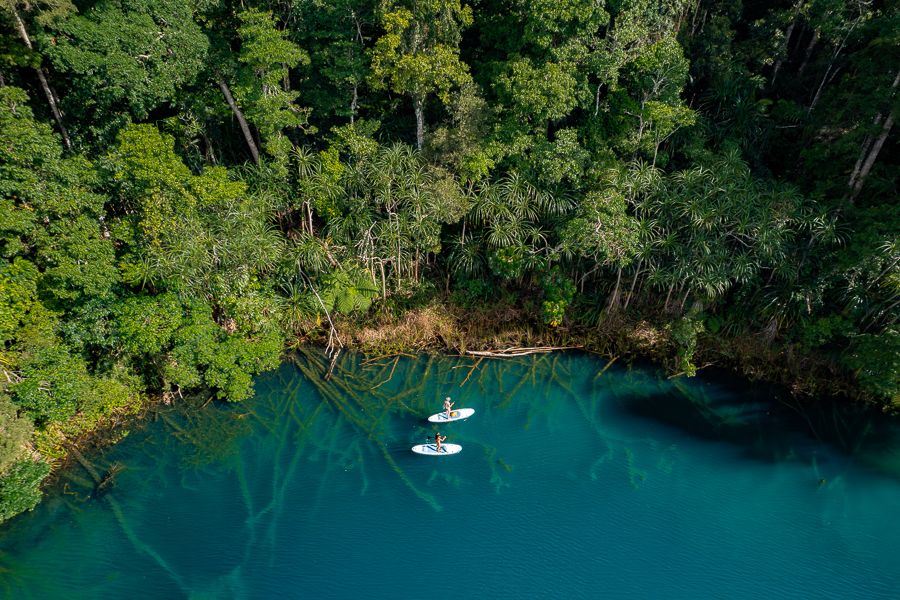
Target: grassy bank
(444,327)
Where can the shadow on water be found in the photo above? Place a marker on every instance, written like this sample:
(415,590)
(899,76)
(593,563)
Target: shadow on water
(356,427)
(764,421)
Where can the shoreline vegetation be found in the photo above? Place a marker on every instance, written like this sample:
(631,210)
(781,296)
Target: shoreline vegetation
(506,332)
(189,188)
(503,333)
(441,328)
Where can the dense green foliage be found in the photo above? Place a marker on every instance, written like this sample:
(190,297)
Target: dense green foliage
(185,186)
(20,487)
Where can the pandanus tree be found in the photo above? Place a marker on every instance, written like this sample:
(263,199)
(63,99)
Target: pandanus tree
(710,228)
(315,184)
(382,206)
(863,282)
(509,225)
(412,200)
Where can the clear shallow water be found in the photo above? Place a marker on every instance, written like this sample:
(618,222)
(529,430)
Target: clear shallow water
(570,484)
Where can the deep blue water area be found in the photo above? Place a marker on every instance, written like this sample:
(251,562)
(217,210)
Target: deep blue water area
(575,481)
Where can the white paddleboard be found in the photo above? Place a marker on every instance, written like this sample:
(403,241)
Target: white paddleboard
(431,449)
(455,415)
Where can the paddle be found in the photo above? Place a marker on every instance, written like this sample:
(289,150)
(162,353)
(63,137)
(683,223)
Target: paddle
(431,442)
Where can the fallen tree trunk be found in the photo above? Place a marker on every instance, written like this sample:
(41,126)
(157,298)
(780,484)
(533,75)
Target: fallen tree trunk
(511,352)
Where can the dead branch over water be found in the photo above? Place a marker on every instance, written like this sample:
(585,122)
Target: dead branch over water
(513,352)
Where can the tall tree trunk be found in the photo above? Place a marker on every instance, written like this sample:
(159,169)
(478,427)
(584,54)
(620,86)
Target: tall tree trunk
(694,20)
(357,37)
(248,136)
(45,85)
(207,144)
(787,41)
(641,120)
(303,227)
(864,151)
(867,143)
(834,56)
(830,79)
(668,295)
(683,300)
(873,154)
(614,298)
(637,272)
(656,146)
(809,50)
(419,104)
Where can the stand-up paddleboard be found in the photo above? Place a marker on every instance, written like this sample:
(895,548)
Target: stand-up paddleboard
(455,415)
(431,449)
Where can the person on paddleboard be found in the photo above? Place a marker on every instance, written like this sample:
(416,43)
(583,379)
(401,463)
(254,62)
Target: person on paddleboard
(447,406)
(438,438)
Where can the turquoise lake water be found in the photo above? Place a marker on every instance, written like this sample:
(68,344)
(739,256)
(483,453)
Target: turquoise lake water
(573,482)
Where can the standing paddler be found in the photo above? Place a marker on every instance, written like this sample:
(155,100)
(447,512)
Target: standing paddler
(447,406)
